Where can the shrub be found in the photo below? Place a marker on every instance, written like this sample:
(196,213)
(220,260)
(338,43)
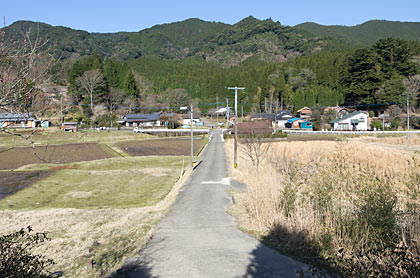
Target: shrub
(17,259)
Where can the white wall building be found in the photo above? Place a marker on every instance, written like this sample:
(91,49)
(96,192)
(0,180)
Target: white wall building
(357,120)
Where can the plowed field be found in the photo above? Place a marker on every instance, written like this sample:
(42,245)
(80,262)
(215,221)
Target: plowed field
(57,154)
(178,146)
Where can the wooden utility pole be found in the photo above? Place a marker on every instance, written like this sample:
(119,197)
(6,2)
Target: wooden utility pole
(235,146)
(192,138)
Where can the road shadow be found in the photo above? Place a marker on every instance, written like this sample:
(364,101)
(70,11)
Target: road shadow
(283,253)
(136,267)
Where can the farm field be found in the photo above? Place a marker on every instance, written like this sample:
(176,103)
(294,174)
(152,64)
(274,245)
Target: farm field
(14,158)
(11,182)
(115,202)
(53,136)
(173,146)
(311,200)
(89,192)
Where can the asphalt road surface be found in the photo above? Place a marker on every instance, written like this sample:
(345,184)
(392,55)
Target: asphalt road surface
(199,239)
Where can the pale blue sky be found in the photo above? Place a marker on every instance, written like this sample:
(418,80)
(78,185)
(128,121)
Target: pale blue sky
(130,15)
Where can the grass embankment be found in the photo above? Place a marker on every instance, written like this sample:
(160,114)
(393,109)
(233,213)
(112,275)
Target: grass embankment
(312,200)
(109,201)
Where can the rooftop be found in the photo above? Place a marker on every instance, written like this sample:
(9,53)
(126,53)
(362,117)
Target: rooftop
(348,116)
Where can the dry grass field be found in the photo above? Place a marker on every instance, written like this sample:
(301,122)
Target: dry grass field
(114,202)
(312,199)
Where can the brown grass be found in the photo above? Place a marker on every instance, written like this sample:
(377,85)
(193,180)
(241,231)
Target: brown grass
(306,197)
(393,140)
(120,233)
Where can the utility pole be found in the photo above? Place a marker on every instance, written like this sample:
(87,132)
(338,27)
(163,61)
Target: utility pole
(408,119)
(227,114)
(383,122)
(112,136)
(235,152)
(192,138)
(61,108)
(217,107)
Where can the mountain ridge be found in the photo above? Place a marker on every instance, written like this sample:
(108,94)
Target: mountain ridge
(268,40)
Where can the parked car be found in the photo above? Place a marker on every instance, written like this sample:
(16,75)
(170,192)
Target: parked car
(137,130)
(102,128)
(220,123)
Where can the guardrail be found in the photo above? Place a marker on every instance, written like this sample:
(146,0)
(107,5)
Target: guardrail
(378,132)
(173,131)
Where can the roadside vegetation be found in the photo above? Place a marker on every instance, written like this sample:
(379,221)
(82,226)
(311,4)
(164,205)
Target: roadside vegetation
(348,207)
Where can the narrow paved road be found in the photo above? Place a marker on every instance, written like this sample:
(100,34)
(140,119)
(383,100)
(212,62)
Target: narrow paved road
(199,239)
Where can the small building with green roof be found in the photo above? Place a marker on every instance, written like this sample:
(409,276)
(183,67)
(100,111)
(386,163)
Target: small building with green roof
(354,121)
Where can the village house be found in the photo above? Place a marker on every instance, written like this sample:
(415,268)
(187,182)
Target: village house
(263,116)
(144,120)
(254,128)
(69,126)
(19,120)
(304,113)
(339,111)
(355,121)
(186,119)
(298,123)
(281,119)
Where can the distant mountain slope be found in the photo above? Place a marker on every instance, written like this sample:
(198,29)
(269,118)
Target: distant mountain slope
(179,39)
(168,40)
(227,44)
(69,42)
(266,39)
(366,33)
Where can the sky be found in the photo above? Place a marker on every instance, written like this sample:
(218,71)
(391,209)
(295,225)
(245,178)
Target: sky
(130,15)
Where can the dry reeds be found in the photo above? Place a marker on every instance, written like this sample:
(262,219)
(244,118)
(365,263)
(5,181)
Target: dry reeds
(314,198)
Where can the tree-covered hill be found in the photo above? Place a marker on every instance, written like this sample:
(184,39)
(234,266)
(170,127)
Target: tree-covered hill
(228,44)
(366,33)
(267,39)
(179,39)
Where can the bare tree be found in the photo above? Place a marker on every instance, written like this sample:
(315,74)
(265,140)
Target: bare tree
(90,81)
(116,97)
(23,69)
(255,147)
(412,83)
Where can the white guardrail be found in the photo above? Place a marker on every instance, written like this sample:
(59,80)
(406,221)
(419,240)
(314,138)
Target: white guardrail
(163,130)
(378,132)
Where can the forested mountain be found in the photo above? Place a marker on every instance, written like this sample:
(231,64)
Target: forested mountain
(174,40)
(366,33)
(227,44)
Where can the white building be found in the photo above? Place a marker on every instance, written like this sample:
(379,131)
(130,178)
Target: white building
(186,119)
(357,120)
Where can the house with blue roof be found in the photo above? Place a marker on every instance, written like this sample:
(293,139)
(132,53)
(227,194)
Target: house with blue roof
(298,123)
